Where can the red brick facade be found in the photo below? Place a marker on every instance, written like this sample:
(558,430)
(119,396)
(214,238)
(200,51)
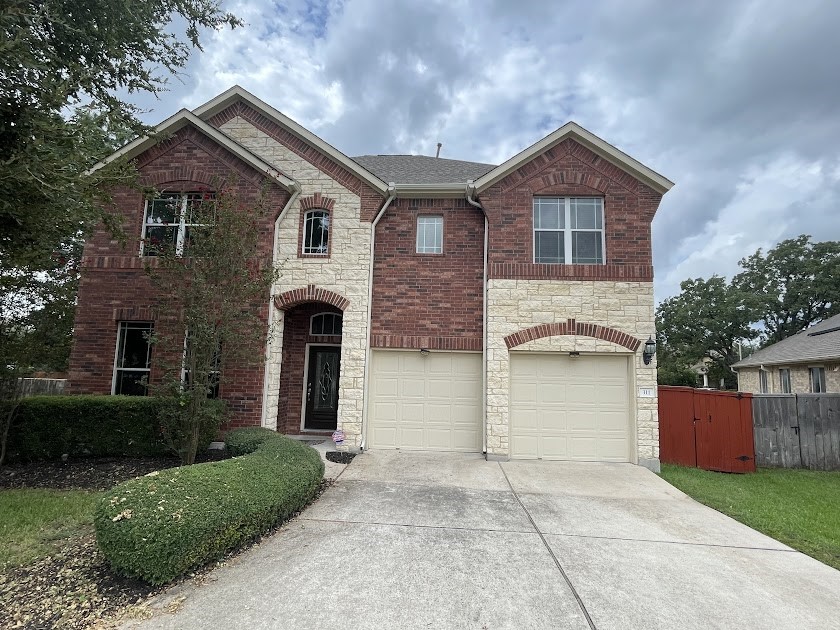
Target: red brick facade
(572,327)
(428,300)
(115,288)
(571,169)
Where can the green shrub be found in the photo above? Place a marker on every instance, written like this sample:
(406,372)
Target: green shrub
(162,525)
(244,441)
(47,427)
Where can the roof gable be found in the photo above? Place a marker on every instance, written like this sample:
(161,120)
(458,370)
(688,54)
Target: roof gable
(239,94)
(186,118)
(587,139)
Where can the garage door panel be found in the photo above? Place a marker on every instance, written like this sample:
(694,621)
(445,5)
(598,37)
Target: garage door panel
(570,408)
(439,401)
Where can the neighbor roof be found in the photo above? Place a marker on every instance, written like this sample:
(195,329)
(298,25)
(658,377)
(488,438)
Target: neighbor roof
(820,342)
(422,169)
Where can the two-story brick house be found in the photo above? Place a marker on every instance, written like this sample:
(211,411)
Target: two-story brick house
(423,303)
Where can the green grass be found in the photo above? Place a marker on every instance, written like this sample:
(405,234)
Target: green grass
(800,508)
(33,522)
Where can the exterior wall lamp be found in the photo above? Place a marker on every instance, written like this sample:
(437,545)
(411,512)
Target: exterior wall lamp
(424,351)
(650,350)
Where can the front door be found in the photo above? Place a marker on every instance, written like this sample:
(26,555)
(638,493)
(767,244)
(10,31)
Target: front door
(322,388)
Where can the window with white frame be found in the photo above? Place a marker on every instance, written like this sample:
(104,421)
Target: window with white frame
(784,380)
(569,230)
(326,324)
(316,232)
(429,234)
(133,361)
(817,378)
(170,217)
(762,381)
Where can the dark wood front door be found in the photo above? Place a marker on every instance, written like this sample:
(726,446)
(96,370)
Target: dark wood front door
(322,388)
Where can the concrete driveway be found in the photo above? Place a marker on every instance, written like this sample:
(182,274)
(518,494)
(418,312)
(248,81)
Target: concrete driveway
(421,540)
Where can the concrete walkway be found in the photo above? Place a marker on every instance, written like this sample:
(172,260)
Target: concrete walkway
(421,540)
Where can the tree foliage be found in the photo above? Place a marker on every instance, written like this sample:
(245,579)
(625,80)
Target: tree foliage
(792,286)
(63,64)
(211,300)
(779,293)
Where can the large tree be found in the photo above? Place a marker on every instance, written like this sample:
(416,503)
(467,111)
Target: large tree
(212,291)
(63,64)
(706,320)
(791,286)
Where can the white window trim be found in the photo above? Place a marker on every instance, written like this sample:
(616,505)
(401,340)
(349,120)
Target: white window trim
(426,250)
(182,222)
(118,369)
(303,246)
(312,322)
(567,233)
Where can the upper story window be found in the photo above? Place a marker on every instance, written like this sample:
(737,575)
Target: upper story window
(817,378)
(316,232)
(133,361)
(762,382)
(429,235)
(169,218)
(569,230)
(326,324)
(784,380)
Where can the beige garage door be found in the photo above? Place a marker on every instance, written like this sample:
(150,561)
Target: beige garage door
(430,402)
(570,408)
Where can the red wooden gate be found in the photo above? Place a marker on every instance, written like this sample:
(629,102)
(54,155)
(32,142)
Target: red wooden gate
(706,429)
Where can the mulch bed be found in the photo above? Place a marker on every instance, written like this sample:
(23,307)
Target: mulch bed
(74,588)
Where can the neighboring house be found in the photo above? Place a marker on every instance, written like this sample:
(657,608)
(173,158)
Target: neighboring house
(807,362)
(424,303)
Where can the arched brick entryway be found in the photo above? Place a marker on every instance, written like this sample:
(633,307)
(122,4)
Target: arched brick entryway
(573,327)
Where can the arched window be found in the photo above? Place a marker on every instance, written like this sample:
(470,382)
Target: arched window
(316,232)
(326,324)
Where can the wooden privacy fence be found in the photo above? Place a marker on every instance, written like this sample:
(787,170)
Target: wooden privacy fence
(797,430)
(706,429)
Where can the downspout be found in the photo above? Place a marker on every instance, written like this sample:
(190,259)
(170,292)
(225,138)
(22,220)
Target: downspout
(470,197)
(392,194)
(296,190)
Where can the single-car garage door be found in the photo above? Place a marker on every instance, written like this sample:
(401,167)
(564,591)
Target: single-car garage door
(428,401)
(570,408)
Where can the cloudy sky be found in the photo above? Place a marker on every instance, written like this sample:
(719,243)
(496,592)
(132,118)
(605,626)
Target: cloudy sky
(738,102)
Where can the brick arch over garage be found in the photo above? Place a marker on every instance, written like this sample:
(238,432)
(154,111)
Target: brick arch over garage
(290,299)
(573,327)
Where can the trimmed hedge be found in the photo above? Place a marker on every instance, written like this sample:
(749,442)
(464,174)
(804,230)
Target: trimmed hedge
(47,427)
(162,525)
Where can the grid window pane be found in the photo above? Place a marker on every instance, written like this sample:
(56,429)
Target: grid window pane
(586,248)
(131,383)
(429,235)
(549,214)
(586,214)
(326,324)
(316,232)
(171,216)
(549,247)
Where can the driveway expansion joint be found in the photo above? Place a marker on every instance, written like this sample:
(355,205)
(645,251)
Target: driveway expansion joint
(571,586)
(448,527)
(672,542)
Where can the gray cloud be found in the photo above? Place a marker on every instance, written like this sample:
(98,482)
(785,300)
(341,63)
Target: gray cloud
(735,101)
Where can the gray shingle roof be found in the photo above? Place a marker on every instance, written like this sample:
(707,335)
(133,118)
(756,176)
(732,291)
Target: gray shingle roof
(820,342)
(422,169)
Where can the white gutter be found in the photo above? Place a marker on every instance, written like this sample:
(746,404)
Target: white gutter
(469,194)
(296,190)
(392,194)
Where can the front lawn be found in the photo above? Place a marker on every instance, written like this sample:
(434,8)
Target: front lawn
(800,508)
(34,521)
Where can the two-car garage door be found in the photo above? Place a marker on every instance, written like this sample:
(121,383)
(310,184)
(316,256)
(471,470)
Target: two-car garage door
(425,401)
(561,407)
(570,408)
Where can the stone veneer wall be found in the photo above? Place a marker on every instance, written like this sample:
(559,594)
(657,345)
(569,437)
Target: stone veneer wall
(344,271)
(517,304)
(800,379)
